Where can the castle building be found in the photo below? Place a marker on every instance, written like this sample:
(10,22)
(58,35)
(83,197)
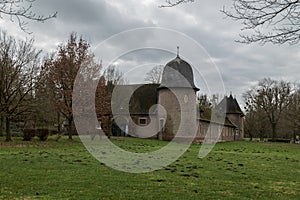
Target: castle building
(177,113)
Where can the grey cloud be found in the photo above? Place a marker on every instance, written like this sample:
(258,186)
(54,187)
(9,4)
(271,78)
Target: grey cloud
(240,65)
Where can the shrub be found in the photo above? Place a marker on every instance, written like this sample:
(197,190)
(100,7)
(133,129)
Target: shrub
(17,133)
(28,134)
(42,133)
(53,132)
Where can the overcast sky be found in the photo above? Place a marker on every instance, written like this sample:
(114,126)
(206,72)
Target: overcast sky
(240,65)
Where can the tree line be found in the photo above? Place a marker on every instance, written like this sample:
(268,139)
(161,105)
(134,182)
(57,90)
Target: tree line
(272,110)
(36,91)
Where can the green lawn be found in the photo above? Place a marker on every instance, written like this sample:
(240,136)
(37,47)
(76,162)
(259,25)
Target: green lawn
(233,170)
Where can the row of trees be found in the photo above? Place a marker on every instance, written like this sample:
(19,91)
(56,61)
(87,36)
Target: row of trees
(272,110)
(37,92)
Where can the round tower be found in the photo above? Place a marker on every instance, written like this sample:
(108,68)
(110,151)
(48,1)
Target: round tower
(177,95)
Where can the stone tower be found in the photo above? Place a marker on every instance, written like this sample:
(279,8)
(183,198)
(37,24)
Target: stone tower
(177,95)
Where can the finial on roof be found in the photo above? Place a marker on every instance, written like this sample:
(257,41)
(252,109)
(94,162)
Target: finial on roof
(178,51)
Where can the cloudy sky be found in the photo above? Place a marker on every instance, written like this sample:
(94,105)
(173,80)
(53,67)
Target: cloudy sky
(201,23)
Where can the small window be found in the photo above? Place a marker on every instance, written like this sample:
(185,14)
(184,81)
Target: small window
(237,131)
(142,121)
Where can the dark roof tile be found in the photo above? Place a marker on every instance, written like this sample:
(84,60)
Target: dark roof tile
(141,100)
(178,73)
(230,105)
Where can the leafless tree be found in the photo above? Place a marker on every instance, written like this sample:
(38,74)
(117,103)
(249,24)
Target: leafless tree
(44,113)
(60,72)
(19,68)
(21,11)
(155,74)
(256,123)
(203,100)
(113,76)
(292,115)
(272,97)
(172,3)
(264,21)
(275,21)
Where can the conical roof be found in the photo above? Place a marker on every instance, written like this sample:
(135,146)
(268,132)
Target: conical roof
(178,73)
(231,105)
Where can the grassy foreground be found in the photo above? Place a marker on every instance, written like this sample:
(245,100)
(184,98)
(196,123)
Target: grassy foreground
(233,170)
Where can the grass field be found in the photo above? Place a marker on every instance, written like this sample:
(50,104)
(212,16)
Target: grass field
(233,170)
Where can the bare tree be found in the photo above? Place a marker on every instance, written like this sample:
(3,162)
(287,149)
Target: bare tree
(292,115)
(172,3)
(256,123)
(275,21)
(113,76)
(155,74)
(18,71)
(272,97)
(60,72)
(44,112)
(21,11)
(203,100)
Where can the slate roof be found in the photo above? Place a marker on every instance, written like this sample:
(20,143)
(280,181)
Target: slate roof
(145,96)
(141,100)
(205,114)
(230,105)
(178,73)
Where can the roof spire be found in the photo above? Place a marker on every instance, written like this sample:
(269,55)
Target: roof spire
(178,51)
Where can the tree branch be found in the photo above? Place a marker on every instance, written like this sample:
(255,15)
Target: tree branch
(171,3)
(16,10)
(274,21)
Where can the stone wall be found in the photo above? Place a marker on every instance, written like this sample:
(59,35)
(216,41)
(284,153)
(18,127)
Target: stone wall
(211,130)
(181,112)
(238,121)
(150,128)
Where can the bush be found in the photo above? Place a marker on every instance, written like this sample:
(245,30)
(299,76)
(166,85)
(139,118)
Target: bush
(280,140)
(17,134)
(42,133)
(28,134)
(53,132)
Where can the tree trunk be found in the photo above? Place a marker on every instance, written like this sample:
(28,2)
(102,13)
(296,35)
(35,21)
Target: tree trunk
(274,133)
(1,125)
(8,132)
(110,123)
(58,123)
(294,135)
(251,137)
(70,130)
